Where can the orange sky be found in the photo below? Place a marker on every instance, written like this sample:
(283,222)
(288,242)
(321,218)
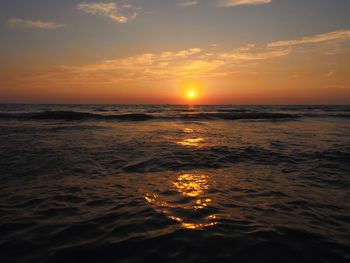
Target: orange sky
(53,62)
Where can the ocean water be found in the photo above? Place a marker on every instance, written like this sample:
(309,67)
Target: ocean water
(136,183)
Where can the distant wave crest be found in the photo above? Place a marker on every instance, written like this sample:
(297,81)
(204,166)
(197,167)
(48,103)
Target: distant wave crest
(76,115)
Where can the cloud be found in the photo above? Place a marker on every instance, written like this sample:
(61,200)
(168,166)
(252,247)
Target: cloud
(210,62)
(330,74)
(35,24)
(189,2)
(315,39)
(120,13)
(167,65)
(228,3)
(246,54)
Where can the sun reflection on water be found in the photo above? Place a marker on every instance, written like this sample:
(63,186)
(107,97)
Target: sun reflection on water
(193,186)
(193,141)
(188,130)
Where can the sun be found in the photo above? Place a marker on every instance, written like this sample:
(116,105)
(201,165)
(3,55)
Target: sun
(191,94)
(191,91)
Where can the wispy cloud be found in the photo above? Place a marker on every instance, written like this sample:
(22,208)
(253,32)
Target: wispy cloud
(34,24)
(189,2)
(228,3)
(207,62)
(330,74)
(120,13)
(315,39)
(168,65)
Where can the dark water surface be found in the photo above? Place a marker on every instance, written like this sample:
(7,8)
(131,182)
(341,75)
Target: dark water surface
(104,183)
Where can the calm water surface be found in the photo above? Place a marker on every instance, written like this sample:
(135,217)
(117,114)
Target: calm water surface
(109,183)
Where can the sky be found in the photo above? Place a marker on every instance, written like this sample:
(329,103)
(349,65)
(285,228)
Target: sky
(156,51)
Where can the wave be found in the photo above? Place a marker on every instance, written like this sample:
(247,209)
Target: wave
(180,115)
(238,115)
(76,115)
(341,115)
(221,114)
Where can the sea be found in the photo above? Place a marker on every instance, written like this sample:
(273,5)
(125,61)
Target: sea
(174,183)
